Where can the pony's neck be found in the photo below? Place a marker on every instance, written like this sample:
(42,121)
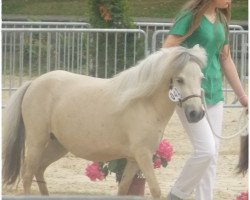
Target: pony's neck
(161,103)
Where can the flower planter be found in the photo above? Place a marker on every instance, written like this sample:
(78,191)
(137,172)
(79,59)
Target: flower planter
(137,187)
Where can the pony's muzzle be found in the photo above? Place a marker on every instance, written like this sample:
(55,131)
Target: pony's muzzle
(194,115)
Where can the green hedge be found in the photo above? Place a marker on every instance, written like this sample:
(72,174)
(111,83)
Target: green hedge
(113,14)
(78,8)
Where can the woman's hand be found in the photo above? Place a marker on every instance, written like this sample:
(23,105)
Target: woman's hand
(229,69)
(243,100)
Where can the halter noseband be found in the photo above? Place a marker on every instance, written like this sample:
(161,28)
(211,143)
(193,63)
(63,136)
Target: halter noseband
(182,100)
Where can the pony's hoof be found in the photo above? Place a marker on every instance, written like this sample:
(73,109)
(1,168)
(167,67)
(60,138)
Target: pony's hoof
(173,197)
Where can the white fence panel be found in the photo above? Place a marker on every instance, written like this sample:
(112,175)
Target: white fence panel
(28,53)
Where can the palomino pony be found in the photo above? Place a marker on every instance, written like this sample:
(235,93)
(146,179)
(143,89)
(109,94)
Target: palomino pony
(100,119)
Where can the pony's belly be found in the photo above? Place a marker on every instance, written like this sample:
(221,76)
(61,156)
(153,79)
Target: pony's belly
(103,156)
(98,150)
(93,141)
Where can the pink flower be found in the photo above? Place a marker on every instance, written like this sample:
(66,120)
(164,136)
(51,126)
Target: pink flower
(165,150)
(157,163)
(94,172)
(242,196)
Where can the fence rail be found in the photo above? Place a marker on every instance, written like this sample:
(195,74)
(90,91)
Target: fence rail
(146,26)
(23,24)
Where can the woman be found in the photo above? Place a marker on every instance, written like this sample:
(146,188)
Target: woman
(205,22)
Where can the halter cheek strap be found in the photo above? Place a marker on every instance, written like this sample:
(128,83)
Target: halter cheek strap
(180,100)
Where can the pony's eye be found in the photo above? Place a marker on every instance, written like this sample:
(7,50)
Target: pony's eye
(180,80)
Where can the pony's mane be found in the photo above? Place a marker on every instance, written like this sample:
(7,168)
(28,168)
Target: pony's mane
(144,78)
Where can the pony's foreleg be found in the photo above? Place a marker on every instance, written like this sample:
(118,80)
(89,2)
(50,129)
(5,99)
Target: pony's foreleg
(144,160)
(129,172)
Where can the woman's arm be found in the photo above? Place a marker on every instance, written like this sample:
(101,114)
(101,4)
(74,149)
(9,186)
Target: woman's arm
(172,40)
(229,70)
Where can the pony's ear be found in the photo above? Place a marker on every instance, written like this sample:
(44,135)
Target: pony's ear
(200,53)
(196,47)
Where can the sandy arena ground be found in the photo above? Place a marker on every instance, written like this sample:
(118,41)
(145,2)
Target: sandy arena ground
(66,176)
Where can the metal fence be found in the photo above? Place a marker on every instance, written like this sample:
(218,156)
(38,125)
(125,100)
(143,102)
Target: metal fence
(40,47)
(148,27)
(28,53)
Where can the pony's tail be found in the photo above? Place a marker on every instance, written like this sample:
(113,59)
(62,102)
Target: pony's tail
(242,166)
(13,137)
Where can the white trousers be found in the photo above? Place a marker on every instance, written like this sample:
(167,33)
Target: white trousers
(199,172)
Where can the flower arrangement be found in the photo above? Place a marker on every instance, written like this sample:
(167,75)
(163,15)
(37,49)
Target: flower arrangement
(242,196)
(99,170)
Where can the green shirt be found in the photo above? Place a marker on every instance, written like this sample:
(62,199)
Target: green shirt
(212,38)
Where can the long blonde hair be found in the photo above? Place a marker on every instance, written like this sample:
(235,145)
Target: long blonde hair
(198,8)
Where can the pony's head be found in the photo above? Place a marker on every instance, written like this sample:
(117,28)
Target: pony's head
(185,84)
(177,67)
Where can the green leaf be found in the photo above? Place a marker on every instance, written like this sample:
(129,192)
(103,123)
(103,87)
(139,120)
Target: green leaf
(105,170)
(164,163)
(113,166)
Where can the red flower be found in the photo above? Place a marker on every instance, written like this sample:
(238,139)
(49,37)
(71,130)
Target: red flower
(242,196)
(94,172)
(165,150)
(157,163)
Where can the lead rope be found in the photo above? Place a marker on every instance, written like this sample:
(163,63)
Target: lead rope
(243,130)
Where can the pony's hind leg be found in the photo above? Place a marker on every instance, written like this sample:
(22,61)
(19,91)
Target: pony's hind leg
(31,165)
(54,151)
(129,172)
(36,142)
